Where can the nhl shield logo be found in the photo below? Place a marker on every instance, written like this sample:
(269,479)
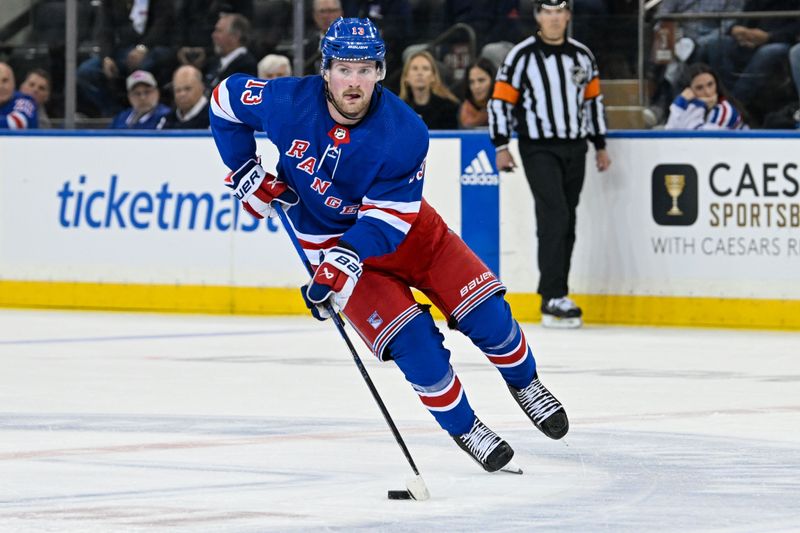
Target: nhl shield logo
(579,75)
(339,135)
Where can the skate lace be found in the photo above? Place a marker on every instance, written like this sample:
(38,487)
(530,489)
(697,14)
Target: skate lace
(480,441)
(538,402)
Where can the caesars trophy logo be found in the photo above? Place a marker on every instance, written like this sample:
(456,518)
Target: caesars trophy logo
(674,192)
(674,184)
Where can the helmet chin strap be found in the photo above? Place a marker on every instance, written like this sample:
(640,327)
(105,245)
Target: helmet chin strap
(351,116)
(345,114)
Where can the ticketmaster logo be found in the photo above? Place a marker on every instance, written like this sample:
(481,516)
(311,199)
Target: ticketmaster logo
(110,204)
(479,171)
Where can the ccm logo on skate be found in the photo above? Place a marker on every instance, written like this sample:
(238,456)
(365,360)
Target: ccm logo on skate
(475,282)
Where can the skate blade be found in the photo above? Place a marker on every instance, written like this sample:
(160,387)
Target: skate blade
(550,321)
(511,468)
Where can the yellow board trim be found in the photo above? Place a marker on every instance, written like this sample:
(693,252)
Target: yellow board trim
(163,298)
(598,308)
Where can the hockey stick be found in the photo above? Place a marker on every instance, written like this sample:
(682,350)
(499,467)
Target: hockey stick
(416,486)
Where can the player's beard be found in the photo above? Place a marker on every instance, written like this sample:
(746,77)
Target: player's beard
(352,109)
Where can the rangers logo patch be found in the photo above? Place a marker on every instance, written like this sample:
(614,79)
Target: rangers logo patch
(375,320)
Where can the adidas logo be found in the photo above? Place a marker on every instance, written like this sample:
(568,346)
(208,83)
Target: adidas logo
(480,171)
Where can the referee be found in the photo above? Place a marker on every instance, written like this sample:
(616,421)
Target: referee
(548,89)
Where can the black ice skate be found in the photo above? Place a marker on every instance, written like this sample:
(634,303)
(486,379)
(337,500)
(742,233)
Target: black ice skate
(544,410)
(561,313)
(487,448)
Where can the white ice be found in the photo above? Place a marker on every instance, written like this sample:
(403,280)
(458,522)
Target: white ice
(140,422)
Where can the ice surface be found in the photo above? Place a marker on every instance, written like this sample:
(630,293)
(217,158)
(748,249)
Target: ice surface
(138,422)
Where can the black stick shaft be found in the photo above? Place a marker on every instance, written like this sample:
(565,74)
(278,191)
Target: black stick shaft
(337,319)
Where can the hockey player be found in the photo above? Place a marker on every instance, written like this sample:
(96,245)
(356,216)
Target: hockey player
(352,162)
(17,110)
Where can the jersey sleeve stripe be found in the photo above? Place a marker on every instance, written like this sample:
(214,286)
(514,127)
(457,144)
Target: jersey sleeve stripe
(221,103)
(401,222)
(399,207)
(506,92)
(406,217)
(321,245)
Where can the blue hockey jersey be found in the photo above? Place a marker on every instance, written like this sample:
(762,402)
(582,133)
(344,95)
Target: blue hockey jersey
(360,183)
(19,113)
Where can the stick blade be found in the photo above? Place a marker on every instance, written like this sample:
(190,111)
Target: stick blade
(417,488)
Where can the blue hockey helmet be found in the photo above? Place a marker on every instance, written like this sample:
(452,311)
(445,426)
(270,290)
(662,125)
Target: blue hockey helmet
(352,39)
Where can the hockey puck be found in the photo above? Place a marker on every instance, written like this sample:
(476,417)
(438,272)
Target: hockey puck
(399,495)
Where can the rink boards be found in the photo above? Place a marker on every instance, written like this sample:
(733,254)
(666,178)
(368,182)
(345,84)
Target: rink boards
(700,229)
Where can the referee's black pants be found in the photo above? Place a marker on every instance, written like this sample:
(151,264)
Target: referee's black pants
(555,170)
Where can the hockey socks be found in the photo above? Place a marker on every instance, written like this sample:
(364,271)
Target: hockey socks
(491,328)
(419,352)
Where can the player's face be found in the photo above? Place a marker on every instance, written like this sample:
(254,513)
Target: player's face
(37,87)
(7,83)
(143,97)
(479,83)
(351,84)
(552,23)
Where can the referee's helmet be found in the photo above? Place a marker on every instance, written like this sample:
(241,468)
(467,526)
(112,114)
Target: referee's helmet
(552,4)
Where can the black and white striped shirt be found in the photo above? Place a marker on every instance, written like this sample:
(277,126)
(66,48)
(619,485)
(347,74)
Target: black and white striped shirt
(548,92)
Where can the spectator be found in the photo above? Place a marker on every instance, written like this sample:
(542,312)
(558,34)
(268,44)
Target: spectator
(324,12)
(422,88)
(131,38)
(38,86)
(145,112)
(17,110)
(750,58)
(191,104)
(478,90)
(696,36)
(703,104)
(274,66)
(196,20)
(702,32)
(231,35)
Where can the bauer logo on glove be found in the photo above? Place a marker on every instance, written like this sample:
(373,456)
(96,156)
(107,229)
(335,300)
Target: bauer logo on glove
(257,189)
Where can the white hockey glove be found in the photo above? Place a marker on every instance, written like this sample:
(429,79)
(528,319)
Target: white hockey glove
(333,281)
(257,189)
